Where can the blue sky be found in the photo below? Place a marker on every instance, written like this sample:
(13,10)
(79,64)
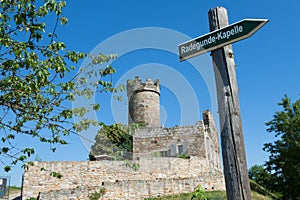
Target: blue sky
(267,66)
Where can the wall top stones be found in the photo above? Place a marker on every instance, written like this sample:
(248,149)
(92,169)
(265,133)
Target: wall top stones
(160,132)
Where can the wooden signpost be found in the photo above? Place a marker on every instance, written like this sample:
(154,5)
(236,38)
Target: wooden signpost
(232,139)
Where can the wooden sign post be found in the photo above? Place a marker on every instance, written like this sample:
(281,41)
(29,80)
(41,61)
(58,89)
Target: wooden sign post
(218,41)
(232,139)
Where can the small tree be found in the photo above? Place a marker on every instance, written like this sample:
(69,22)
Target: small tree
(112,140)
(284,159)
(115,140)
(38,81)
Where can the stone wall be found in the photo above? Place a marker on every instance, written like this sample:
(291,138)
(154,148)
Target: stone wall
(149,142)
(152,175)
(134,189)
(155,176)
(199,140)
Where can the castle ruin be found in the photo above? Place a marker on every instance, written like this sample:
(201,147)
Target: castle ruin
(168,160)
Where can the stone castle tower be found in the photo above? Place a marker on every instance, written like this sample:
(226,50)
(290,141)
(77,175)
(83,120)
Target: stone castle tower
(200,140)
(144,104)
(170,160)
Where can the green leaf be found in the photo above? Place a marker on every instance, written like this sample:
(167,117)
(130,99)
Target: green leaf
(7,168)
(4,150)
(63,20)
(96,107)
(56,175)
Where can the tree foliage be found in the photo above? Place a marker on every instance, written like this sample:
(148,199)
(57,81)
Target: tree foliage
(115,140)
(38,81)
(284,159)
(260,175)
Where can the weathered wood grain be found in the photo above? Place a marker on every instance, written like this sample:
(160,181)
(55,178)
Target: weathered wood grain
(232,139)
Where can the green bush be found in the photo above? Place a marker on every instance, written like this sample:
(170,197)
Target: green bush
(199,194)
(183,156)
(97,195)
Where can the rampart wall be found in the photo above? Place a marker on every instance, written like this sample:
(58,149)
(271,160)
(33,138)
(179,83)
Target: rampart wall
(154,177)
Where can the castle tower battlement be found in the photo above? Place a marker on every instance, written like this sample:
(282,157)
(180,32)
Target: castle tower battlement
(144,102)
(136,85)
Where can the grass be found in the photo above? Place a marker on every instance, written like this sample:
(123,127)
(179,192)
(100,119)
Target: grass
(258,193)
(183,196)
(214,195)
(257,196)
(14,189)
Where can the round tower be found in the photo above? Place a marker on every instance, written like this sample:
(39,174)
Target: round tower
(143,102)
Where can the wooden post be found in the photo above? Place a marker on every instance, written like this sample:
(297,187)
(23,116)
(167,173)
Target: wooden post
(232,139)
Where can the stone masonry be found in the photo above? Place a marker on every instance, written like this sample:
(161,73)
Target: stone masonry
(166,160)
(200,140)
(156,176)
(144,104)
